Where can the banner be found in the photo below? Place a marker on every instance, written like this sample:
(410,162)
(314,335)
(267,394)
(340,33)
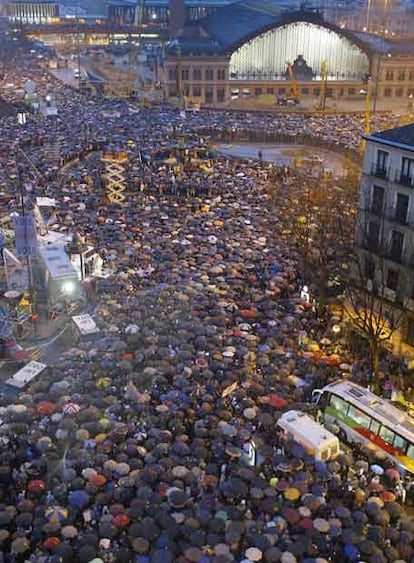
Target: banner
(25,235)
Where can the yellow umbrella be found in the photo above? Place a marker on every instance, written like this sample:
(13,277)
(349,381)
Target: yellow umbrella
(100,437)
(104,422)
(291,493)
(273,481)
(82,434)
(103,382)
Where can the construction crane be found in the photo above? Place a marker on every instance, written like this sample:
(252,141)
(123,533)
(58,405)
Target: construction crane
(324,78)
(292,97)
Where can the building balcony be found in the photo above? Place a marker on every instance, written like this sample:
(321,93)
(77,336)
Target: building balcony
(395,217)
(380,171)
(404,179)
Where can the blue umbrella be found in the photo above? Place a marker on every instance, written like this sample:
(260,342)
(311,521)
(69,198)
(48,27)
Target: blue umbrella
(377,469)
(351,552)
(79,498)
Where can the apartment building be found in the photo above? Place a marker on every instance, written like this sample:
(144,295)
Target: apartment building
(385,227)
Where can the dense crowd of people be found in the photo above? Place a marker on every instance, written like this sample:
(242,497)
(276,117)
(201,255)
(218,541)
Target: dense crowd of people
(156,442)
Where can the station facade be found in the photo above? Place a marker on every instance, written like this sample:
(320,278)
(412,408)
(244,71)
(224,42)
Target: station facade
(252,61)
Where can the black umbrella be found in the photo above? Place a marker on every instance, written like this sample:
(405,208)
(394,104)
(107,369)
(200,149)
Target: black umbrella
(86,553)
(177,498)
(162,556)
(23,520)
(394,509)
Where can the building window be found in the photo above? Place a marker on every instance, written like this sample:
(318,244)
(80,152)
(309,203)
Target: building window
(185,74)
(411,75)
(269,91)
(377,201)
(397,245)
(401,208)
(407,169)
(209,74)
(316,91)
(197,91)
(373,235)
(399,92)
(392,279)
(221,74)
(401,75)
(282,91)
(221,94)
(197,74)
(209,94)
(388,92)
(257,91)
(382,162)
(351,91)
(305,91)
(369,268)
(172,74)
(389,75)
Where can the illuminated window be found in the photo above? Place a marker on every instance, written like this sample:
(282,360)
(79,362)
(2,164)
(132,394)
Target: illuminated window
(360,418)
(386,434)
(400,443)
(339,404)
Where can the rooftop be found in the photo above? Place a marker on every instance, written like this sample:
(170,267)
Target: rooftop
(401,136)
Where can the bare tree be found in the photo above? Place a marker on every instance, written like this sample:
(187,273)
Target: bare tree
(372,306)
(312,224)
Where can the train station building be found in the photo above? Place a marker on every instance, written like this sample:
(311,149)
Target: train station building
(215,61)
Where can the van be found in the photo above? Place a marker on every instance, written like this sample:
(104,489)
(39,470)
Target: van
(84,327)
(21,379)
(312,436)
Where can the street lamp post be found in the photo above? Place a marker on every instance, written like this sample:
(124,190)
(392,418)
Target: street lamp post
(32,309)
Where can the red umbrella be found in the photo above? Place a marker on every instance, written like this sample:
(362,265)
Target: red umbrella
(121,520)
(306,523)
(51,543)
(291,515)
(388,496)
(276,401)
(97,480)
(392,473)
(36,486)
(248,313)
(46,408)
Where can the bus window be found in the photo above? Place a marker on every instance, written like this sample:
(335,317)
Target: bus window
(339,404)
(400,443)
(360,417)
(374,427)
(410,451)
(386,434)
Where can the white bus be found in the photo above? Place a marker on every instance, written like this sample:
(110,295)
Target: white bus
(368,419)
(304,430)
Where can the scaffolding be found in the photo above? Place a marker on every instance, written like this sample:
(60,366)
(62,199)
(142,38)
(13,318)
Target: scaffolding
(114,163)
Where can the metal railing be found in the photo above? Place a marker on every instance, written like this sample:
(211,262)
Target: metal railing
(380,171)
(404,179)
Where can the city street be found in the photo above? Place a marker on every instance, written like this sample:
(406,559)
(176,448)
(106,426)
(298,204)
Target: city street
(155,437)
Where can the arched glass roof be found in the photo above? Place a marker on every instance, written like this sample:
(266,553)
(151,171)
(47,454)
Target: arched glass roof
(264,57)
